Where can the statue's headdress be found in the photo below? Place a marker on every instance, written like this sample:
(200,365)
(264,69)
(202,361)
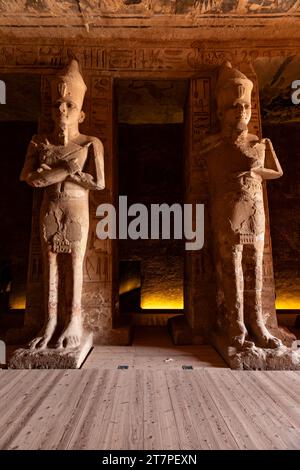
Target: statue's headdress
(69,84)
(232,85)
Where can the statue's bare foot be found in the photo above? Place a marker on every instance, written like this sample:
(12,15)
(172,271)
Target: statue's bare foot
(237,334)
(263,337)
(71,336)
(44,336)
(248,344)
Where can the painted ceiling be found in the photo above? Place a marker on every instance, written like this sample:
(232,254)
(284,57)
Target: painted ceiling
(148,7)
(86,17)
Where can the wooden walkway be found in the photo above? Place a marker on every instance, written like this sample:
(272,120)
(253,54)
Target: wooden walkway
(154,404)
(208,408)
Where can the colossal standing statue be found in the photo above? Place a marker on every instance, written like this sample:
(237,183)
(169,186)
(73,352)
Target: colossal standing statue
(66,164)
(237,164)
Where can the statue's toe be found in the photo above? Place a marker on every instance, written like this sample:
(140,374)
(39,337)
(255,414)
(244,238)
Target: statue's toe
(69,342)
(59,343)
(33,344)
(238,341)
(76,341)
(43,344)
(274,343)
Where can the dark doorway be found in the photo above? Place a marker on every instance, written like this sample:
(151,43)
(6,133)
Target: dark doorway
(151,164)
(18,122)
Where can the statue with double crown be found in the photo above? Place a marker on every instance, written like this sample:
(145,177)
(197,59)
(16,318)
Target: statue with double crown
(238,162)
(66,165)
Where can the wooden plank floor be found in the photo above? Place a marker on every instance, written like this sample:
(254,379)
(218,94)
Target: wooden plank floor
(149,409)
(154,404)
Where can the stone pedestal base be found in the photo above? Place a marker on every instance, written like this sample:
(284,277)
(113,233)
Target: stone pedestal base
(181,332)
(50,358)
(255,358)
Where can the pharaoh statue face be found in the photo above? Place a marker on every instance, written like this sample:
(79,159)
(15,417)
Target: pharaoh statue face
(237,115)
(233,98)
(66,113)
(67,93)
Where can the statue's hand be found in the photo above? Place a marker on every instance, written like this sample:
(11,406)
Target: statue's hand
(43,167)
(253,173)
(72,166)
(257,173)
(84,179)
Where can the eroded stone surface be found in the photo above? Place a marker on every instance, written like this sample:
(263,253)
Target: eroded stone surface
(237,164)
(255,358)
(66,165)
(146,8)
(52,358)
(85,18)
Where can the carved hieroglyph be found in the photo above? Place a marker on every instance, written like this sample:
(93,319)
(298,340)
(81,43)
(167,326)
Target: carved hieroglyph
(237,163)
(67,164)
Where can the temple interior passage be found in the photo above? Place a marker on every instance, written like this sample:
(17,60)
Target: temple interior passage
(151,139)
(149,224)
(151,171)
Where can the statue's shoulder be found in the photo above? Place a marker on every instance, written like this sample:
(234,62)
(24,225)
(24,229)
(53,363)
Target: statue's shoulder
(267,142)
(39,139)
(93,142)
(269,149)
(253,139)
(35,144)
(209,144)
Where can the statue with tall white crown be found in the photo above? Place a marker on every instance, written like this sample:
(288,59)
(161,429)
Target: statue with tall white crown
(238,162)
(66,165)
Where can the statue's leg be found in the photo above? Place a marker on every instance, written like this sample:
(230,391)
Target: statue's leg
(51,301)
(232,283)
(71,336)
(263,338)
(77,228)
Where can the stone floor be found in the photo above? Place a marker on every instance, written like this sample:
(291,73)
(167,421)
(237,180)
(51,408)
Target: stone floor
(152,348)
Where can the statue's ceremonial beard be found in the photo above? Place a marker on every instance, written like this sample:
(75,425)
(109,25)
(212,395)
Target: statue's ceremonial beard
(238,128)
(242,126)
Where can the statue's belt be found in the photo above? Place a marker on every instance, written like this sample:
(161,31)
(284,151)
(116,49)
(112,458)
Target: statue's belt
(69,193)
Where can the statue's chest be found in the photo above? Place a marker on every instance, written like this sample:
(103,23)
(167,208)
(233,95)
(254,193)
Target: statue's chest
(52,155)
(244,157)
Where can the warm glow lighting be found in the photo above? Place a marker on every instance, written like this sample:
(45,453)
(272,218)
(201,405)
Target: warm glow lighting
(161,303)
(129,285)
(288,293)
(287,303)
(17,303)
